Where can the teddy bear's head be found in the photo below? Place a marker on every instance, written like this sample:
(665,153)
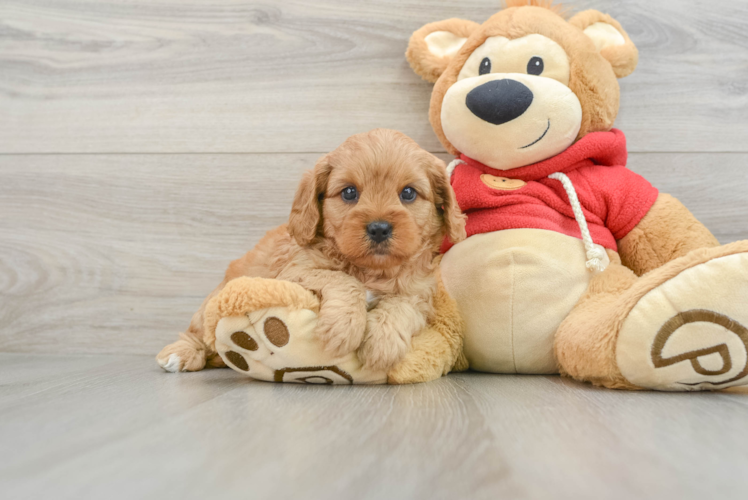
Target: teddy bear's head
(526,84)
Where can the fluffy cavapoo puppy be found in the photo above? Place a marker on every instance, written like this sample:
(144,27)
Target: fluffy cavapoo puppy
(365,226)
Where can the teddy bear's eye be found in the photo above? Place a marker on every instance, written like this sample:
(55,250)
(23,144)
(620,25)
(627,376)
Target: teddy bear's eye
(535,66)
(485,66)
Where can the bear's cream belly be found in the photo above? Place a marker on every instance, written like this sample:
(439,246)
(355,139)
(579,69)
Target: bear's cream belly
(513,289)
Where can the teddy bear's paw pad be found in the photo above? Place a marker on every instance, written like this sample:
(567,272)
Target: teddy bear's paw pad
(277,344)
(236,361)
(691,332)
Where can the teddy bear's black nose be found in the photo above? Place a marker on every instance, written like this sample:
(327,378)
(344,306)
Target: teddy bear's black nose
(499,101)
(379,231)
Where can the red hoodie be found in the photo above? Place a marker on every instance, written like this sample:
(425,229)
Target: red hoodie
(613,198)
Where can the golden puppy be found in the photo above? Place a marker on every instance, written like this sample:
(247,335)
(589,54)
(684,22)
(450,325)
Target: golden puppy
(364,228)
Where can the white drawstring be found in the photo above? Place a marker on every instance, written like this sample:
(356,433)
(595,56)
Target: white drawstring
(597,257)
(453,165)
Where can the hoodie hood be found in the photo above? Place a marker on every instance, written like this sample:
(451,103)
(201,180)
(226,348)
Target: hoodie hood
(610,199)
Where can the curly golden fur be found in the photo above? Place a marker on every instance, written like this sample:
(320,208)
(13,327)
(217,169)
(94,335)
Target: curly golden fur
(325,247)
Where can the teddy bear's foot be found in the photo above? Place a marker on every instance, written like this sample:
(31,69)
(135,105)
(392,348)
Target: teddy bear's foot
(185,355)
(690,330)
(261,345)
(265,329)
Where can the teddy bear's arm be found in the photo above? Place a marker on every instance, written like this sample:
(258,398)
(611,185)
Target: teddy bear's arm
(668,231)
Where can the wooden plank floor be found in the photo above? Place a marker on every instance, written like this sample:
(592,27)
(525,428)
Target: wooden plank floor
(118,427)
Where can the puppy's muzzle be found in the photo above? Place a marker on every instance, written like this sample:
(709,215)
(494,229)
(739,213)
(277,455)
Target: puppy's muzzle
(379,231)
(499,101)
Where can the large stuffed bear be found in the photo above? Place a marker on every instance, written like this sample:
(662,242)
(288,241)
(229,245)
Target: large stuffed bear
(573,264)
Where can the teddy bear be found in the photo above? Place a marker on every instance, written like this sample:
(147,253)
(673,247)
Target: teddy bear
(573,263)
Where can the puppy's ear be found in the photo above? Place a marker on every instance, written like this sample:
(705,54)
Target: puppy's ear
(306,211)
(432,47)
(611,40)
(446,203)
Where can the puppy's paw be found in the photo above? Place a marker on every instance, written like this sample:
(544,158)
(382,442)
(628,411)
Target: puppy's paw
(384,345)
(181,356)
(341,327)
(381,355)
(171,364)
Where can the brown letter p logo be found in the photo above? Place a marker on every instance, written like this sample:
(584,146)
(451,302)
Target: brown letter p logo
(694,316)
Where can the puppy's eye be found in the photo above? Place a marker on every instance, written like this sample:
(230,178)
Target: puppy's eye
(535,66)
(349,195)
(485,66)
(408,195)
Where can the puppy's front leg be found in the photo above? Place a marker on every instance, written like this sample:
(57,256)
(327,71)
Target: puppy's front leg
(389,328)
(342,313)
(342,316)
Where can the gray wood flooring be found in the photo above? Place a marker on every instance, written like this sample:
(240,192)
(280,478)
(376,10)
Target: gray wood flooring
(146,143)
(114,427)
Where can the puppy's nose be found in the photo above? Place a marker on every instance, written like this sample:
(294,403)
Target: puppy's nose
(499,101)
(379,231)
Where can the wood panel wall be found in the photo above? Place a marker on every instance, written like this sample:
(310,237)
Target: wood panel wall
(144,144)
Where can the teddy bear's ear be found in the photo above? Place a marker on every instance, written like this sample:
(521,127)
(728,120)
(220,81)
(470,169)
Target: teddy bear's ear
(610,39)
(432,47)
